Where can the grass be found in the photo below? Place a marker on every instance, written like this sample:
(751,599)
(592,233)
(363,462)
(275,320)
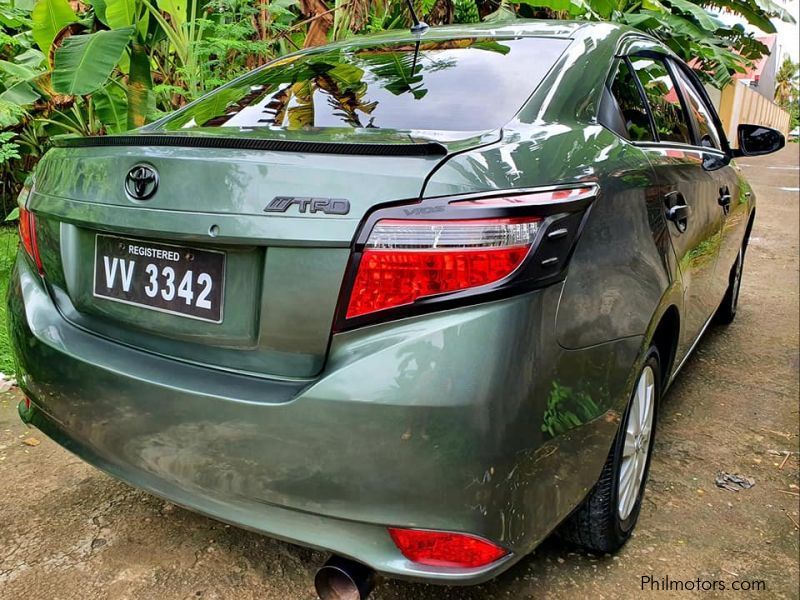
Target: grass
(8,249)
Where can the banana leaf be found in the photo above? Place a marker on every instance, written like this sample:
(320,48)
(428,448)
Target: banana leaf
(85,62)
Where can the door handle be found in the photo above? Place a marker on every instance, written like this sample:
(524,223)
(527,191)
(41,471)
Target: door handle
(677,210)
(725,199)
(679,214)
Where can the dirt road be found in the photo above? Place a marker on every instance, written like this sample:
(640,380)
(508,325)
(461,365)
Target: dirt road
(68,531)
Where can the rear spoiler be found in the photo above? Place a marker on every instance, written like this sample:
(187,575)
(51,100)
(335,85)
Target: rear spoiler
(422,148)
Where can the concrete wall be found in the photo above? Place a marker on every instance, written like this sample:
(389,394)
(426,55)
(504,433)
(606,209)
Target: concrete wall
(714,94)
(739,103)
(766,80)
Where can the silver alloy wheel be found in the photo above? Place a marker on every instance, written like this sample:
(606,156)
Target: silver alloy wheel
(638,430)
(737,280)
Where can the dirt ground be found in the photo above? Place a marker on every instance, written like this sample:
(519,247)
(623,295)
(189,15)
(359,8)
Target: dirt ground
(69,531)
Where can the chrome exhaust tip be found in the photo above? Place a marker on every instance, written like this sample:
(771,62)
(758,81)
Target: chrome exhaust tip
(344,579)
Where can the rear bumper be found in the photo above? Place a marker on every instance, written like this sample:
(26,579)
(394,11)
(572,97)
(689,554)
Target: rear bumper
(436,422)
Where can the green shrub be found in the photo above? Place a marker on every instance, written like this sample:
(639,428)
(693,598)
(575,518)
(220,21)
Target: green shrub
(8,250)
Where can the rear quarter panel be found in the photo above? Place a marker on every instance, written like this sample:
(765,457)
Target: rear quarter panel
(622,265)
(594,326)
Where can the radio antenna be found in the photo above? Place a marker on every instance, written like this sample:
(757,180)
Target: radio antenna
(419,27)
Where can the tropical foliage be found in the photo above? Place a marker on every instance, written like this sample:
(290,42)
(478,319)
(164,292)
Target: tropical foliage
(92,67)
(787,89)
(787,81)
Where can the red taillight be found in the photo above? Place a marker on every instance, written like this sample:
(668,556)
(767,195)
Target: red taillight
(444,549)
(405,260)
(27,233)
(439,252)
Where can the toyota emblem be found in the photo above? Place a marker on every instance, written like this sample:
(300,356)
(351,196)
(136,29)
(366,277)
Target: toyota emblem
(141,182)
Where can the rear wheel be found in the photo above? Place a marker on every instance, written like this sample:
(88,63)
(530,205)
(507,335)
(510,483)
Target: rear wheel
(726,312)
(605,519)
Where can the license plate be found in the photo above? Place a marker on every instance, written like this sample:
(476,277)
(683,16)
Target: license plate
(179,280)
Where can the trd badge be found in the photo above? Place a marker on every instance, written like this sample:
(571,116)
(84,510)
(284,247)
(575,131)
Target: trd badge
(329,206)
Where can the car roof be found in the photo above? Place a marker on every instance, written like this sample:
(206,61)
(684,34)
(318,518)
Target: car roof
(517,28)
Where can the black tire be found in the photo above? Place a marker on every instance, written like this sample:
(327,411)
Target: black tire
(596,525)
(726,312)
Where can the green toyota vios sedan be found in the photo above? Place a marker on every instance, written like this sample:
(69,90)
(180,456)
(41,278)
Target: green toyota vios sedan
(412,298)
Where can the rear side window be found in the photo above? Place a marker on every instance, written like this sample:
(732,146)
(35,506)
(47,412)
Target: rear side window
(662,96)
(469,84)
(706,131)
(631,105)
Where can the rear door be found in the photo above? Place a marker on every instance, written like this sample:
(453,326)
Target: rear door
(688,190)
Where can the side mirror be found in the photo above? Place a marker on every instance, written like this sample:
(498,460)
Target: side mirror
(755,140)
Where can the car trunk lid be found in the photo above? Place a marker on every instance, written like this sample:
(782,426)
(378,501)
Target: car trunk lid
(283,261)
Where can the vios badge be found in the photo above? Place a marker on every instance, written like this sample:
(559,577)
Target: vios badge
(141,182)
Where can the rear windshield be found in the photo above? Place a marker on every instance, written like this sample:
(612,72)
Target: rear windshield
(455,85)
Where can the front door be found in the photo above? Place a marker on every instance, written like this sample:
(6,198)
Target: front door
(733,192)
